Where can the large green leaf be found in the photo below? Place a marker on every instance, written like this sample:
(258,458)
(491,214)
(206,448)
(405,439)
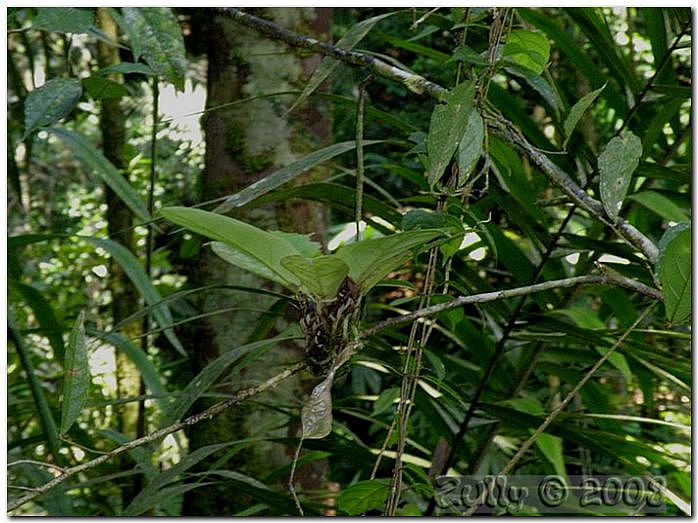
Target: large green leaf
(370,261)
(319,277)
(63,19)
(286,174)
(674,270)
(50,103)
(256,244)
(247,262)
(110,175)
(77,375)
(134,271)
(577,110)
(617,163)
(352,37)
(155,34)
(364,496)
(529,49)
(447,126)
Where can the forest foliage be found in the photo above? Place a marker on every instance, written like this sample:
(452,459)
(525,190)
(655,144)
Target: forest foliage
(505,285)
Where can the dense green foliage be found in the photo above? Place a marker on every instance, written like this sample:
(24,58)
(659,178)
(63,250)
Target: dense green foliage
(558,148)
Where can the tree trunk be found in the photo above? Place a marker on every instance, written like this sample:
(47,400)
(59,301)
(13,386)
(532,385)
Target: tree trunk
(243,144)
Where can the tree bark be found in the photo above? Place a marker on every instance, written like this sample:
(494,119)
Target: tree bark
(243,144)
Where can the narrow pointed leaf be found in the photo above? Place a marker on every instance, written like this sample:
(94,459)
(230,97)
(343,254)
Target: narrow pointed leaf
(660,205)
(352,37)
(578,110)
(617,163)
(77,375)
(447,126)
(134,271)
(674,268)
(44,315)
(259,245)
(319,277)
(155,34)
(110,175)
(50,103)
(286,174)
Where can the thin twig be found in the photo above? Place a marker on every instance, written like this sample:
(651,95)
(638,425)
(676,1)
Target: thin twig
(34,462)
(557,410)
(360,154)
(209,413)
(601,279)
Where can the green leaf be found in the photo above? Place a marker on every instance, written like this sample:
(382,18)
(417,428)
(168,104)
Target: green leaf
(364,496)
(470,147)
(541,85)
(63,19)
(286,174)
(151,495)
(134,271)
(210,373)
(660,205)
(256,244)
(370,261)
(419,219)
(529,49)
(386,400)
(551,447)
(110,175)
(127,68)
(674,271)
(44,315)
(447,126)
(577,110)
(77,375)
(617,163)
(247,262)
(50,103)
(352,37)
(320,277)
(103,89)
(155,34)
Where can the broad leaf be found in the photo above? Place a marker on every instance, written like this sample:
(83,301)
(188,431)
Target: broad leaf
(674,270)
(64,19)
(50,103)
(617,163)
(286,174)
(470,147)
(320,277)
(110,175)
(77,375)
(103,89)
(134,271)
(243,260)
(447,126)
(352,37)
(127,68)
(155,34)
(370,261)
(529,49)
(259,245)
(578,110)
(364,496)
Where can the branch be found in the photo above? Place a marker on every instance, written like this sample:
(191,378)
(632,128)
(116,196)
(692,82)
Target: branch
(421,85)
(600,279)
(556,411)
(212,411)
(413,82)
